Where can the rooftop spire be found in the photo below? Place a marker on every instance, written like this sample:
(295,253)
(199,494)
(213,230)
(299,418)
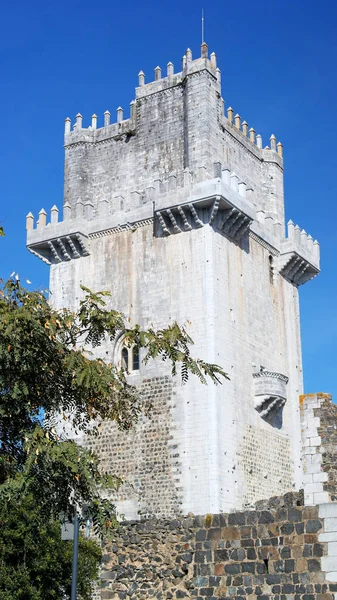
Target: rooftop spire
(202,26)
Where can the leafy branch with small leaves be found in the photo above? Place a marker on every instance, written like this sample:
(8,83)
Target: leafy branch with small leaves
(49,374)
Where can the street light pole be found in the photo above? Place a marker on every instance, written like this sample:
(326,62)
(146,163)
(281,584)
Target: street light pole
(75,558)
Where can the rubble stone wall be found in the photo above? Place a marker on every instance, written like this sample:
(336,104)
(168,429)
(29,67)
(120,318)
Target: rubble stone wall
(270,552)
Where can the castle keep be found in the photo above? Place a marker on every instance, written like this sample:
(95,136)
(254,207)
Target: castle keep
(178,211)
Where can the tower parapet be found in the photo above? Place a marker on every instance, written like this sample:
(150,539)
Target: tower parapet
(178,211)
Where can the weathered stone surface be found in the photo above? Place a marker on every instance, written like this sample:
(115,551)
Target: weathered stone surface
(278,568)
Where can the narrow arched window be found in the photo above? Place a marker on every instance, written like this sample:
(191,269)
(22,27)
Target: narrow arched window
(135,358)
(125,358)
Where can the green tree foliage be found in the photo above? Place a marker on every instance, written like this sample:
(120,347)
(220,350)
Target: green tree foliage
(35,564)
(46,368)
(51,386)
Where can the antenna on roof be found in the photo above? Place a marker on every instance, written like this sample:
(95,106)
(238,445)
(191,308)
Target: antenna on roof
(202,26)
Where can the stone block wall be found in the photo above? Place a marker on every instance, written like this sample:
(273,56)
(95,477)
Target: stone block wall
(319,436)
(146,458)
(273,551)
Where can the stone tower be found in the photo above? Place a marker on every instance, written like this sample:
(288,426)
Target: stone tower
(178,211)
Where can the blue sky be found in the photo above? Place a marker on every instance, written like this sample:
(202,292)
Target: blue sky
(278,63)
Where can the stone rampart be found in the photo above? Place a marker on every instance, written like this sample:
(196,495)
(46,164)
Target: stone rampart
(273,551)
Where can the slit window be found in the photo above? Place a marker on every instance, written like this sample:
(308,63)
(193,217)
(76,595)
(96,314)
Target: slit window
(271,269)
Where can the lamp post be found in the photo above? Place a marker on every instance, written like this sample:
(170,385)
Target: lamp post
(75,558)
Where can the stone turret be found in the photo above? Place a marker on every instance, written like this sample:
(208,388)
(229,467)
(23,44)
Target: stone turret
(178,211)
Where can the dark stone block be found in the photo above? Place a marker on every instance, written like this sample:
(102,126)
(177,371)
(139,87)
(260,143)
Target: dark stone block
(314,565)
(258,591)
(289,566)
(221,555)
(187,557)
(287,528)
(276,589)
(181,594)
(238,554)
(248,567)
(281,514)
(199,557)
(200,535)
(266,517)
(247,542)
(308,597)
(307,550)
(279,566)
(313,526)
(214,581)
(208,545)
(288,588)
(216,521)
(294,515)
(236,519)
(318,588)
(299,528)
(261,568)
(251,517)
(177,573)
(251,553)
(206,591)
(318,550)
(223,521)
(198,522)
(233,569)
(241,591)
(237,580)
(206,570)
(285,552)
(300,589)
(272,579)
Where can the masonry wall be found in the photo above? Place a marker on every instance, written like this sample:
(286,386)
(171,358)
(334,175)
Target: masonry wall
(177,129)
(146,458)
(270,552)
(115,166)
(319,436)
(216,452)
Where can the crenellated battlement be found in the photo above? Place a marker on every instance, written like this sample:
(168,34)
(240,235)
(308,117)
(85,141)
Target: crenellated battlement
(96,132)
(175,205)
(299,259)
(176,208)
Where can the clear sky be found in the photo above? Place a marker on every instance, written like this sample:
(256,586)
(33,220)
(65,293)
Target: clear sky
(278,63)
